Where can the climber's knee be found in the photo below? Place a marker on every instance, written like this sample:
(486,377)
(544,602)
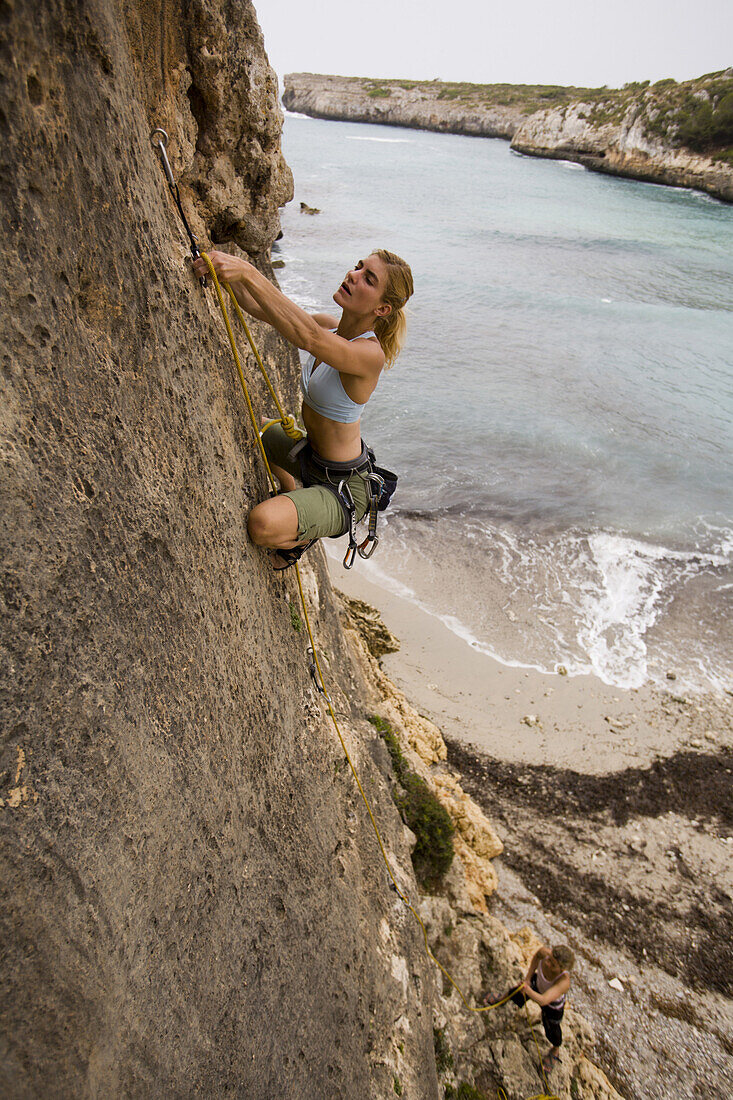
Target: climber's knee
(274,522)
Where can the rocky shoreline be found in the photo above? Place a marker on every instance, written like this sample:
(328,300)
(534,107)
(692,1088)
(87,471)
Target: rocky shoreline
(619,133)
(628,868)
(645,910)
(477,947)
(347,99)
(614,814)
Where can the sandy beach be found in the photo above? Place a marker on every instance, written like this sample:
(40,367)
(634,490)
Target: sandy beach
(523,716)
(616,814)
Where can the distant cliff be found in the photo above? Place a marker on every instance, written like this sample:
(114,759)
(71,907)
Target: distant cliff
(676,134)
(495,111)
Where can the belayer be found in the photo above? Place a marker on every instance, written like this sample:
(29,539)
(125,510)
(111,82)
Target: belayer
(346,358)
(547,982)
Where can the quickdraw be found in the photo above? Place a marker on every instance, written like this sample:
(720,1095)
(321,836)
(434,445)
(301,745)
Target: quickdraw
(173,188)
(312,668)
(366,548)
(371,542)
(347,503)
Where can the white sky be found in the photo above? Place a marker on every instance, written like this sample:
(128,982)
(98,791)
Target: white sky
(582,42)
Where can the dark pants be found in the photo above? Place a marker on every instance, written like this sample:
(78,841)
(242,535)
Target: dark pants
(551,1017)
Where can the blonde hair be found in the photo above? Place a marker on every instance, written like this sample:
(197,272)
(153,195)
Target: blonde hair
(564,956)
(390,330)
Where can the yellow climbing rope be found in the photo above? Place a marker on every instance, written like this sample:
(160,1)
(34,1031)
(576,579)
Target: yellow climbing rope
(288,424)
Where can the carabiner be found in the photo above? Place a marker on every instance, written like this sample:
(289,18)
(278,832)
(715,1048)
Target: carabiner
(378,481)
(367,553)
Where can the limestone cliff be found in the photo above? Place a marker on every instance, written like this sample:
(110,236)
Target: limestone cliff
(193,903)
(630,136)
(653,133)
(422,106)
(190,900)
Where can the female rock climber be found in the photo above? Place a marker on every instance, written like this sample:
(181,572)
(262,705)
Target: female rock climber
(546,983)
(346,357)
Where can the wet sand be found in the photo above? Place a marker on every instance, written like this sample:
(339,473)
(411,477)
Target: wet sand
(523,716)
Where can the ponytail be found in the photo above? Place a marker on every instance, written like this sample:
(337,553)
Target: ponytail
(390,330)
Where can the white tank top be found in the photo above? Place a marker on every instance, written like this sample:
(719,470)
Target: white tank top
(543,984)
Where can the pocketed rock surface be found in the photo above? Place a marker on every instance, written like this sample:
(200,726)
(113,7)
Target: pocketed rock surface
(192,902)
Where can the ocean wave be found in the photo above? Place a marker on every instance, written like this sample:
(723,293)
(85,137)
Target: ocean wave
(386,141)
(633,582)
(598,602)
(391,584)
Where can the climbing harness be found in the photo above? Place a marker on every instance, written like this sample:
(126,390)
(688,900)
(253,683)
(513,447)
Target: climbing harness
(389,481)
(380,485)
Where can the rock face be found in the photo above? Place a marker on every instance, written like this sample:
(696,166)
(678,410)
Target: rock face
(351,99)
(191,904)
(379,639)
(192,899)
(607,131)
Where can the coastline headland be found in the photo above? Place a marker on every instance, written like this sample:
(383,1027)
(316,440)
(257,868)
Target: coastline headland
(669,133)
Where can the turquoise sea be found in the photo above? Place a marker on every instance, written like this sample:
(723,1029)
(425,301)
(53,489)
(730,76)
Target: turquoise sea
(561,416)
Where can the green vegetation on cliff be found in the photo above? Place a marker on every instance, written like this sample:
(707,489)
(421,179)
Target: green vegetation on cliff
(696,114)
(528,97)
(463,1091)
(421,812)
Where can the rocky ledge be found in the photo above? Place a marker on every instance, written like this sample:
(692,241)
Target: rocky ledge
(669,133)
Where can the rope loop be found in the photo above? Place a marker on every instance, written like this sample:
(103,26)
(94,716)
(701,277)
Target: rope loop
(290,428)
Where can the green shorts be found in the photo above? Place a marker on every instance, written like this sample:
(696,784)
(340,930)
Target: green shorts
(320,515)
